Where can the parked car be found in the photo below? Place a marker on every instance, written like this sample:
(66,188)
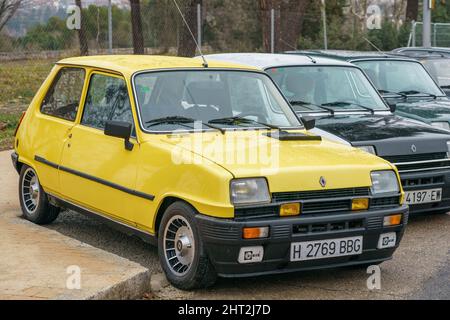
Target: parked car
(349,109)
(437,64)
(422,51)
(403,82)
(111,136)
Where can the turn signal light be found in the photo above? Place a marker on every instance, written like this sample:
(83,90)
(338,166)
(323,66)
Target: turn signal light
(392,220)
(360,204)
(290,209)
(255,233)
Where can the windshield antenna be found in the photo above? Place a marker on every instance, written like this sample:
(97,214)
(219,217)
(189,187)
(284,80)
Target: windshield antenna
(373,45)
(205,63)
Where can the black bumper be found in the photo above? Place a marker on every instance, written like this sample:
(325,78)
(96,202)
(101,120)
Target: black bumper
(428,180)
(223,240)
(15,160)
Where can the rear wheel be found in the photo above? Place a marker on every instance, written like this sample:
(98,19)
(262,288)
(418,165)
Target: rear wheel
(33,199)
(181,251)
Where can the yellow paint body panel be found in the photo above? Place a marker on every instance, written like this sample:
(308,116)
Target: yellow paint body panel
(155,166)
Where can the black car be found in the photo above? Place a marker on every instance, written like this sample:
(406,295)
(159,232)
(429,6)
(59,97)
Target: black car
(348,109)
(436,61)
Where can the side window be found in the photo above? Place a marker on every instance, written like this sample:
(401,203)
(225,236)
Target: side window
(63,97)
(107,99)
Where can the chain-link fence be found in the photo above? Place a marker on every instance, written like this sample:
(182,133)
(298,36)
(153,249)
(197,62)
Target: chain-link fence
(440,34)
(219,26)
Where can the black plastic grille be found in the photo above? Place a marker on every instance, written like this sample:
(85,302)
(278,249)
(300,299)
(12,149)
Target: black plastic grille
(327,227)
(422,181)
(385,202)
(416,157)
(320,194)
(400,161)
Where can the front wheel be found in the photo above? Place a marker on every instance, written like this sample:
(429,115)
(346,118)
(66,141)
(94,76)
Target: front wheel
(33,199)
(181,251)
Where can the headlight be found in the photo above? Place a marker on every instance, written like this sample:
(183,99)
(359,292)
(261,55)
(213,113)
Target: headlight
(369,149)
(384,182)
(443,125)
(249,191)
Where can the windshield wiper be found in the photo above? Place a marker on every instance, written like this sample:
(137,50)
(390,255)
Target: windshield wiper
(304,103)
(237,120)
(180,120)
(343,103)
(415,92)
(383,92)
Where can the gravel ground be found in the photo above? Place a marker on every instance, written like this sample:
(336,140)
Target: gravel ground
(420,268)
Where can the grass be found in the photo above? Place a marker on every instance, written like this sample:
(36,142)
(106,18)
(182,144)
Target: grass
(19,81)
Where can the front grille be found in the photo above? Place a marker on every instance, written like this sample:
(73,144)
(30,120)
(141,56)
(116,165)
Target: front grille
(416,157)
(423,181)
(385,202)
(320,194)
(259,212)
(420,162)
(316,202)
(327,227)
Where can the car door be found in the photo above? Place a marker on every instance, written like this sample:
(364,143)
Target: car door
(96,170)
(55,119)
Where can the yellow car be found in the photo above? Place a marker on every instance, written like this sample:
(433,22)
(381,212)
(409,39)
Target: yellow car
(208,162)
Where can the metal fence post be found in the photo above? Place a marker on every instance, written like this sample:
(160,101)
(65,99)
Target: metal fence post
(434,33)
(324,19)
(413,31)
(199,25)
(109,27)
(272,31)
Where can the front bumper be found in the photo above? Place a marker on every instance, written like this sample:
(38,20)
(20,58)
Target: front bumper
(428,180)
(223,240)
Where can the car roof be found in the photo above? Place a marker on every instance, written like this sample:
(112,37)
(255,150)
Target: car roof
(267,60)
(127,65)
(348,55)
(424,49)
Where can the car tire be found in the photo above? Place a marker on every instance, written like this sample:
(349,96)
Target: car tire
(181,252)
(33,200)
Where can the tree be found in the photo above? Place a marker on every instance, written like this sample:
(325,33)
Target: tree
(186,46)
(7,10)
(136,27)
(289,16)
(84,49)
(412,10)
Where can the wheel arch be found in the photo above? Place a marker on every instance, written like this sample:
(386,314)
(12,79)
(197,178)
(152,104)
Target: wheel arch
(165,203)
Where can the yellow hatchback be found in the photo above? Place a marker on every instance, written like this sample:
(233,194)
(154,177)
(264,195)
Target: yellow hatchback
(208,162)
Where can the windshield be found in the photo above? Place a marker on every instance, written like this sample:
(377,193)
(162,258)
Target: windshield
(169,100)
(400,76)
(439,70)
(321,88)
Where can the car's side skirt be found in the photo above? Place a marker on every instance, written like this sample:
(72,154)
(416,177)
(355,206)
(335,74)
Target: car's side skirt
(120,226)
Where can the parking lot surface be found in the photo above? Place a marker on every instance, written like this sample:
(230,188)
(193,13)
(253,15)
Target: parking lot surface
(420,268)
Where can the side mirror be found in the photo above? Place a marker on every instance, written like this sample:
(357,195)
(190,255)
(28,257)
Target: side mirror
(120,129)
(309,123)
(392,107)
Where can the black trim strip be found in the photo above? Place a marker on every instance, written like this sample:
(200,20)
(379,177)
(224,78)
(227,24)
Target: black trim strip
(95,179)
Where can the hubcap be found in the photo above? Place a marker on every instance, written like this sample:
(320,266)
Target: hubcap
(179,245)
(30,191)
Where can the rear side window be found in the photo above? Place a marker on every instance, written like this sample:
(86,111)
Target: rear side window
(107,99)
(63,98)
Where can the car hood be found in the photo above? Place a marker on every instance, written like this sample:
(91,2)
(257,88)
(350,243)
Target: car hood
(287,165)
(390,134)
(425,110)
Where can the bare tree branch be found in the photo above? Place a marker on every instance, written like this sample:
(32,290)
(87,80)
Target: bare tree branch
(7,10)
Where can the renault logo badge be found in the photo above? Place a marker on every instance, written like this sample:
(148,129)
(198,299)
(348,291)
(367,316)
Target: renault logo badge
(414,148)
(322,182)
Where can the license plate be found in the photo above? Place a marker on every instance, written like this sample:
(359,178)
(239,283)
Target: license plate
(311,250)
(423,196)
